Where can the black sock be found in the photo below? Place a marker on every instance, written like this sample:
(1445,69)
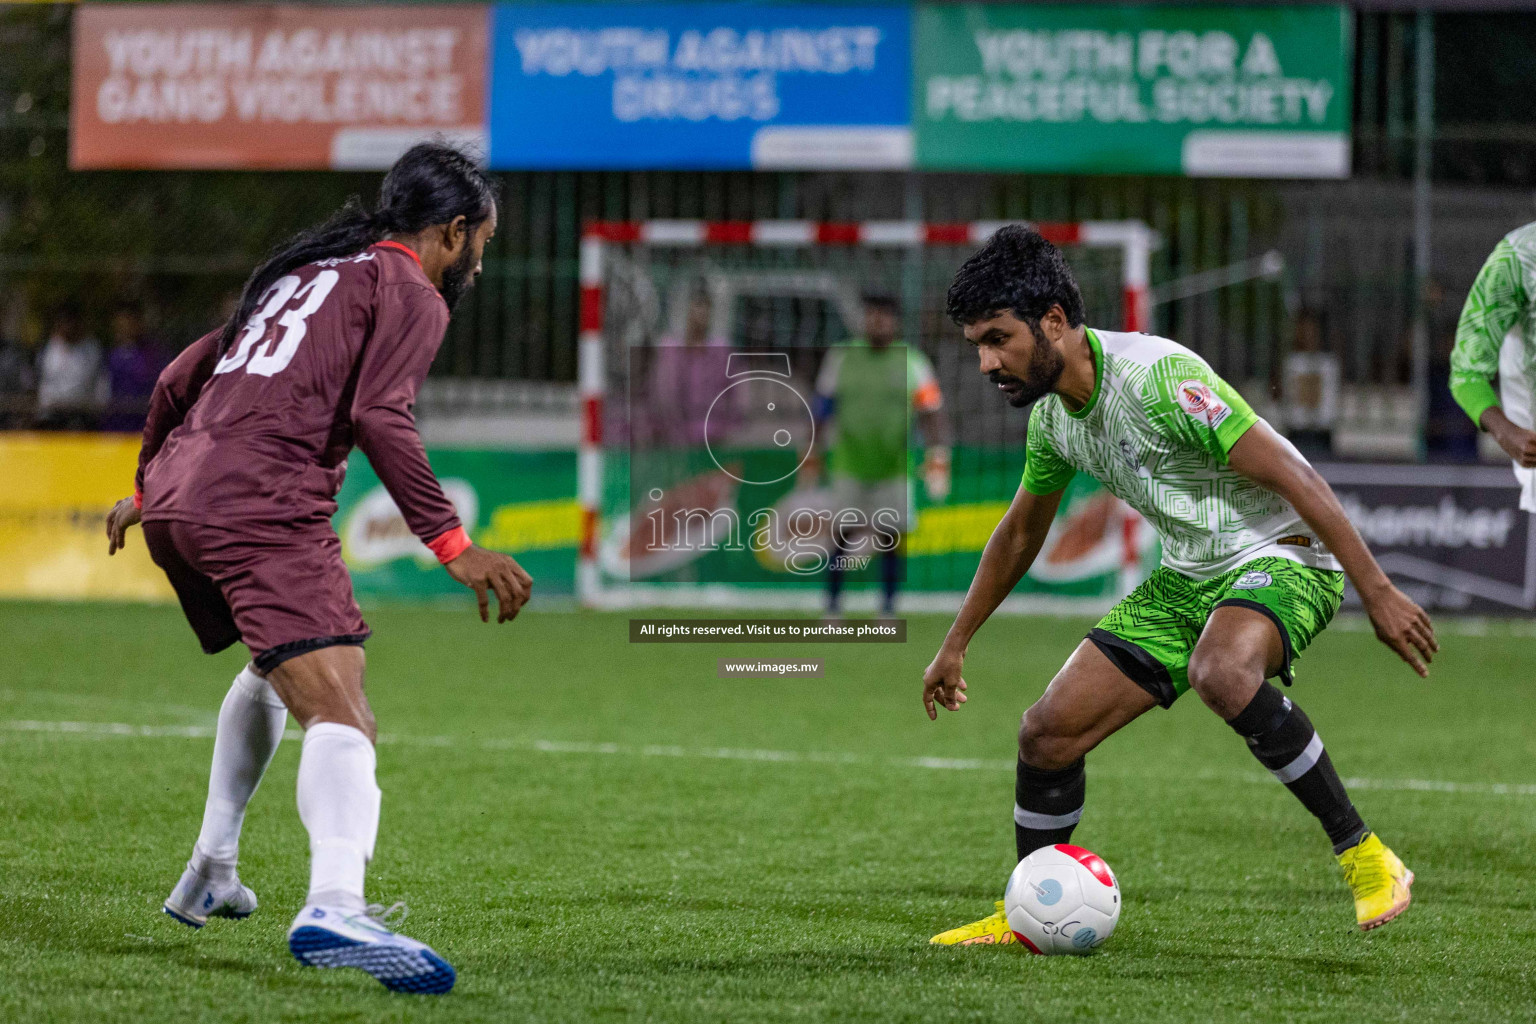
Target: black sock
(1047,805)
(1282,738)
(835,581)
(890,575)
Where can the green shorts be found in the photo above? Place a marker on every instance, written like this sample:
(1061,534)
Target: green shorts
(1152,632)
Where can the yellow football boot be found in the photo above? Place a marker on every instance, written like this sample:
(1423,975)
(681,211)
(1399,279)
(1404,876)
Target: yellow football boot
(1379,880)
(990,930)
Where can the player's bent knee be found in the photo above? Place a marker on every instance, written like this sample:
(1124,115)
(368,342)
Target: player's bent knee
(1224,680)
(1207,675)
(1043,744)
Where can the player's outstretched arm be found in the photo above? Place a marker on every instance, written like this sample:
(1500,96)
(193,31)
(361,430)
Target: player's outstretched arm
(486,572)
(1261,456)
(1009,553)
(412,320)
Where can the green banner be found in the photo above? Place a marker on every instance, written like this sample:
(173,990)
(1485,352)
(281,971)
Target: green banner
(1085,556)
(523,503)
(1203,91)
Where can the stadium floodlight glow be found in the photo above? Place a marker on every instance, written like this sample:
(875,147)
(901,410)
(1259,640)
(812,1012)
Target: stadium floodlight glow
(605,242)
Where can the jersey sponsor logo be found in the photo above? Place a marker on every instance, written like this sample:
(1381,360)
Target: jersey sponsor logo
(1198,400)
(1255,580)
(1129,457)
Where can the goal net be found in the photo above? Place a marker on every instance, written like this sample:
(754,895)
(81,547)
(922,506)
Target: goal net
(692,330)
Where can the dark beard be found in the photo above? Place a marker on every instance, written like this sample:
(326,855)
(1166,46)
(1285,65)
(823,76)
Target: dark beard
(459,277)
(1045,369)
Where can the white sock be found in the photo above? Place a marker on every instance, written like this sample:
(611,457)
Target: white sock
(251,723)
(339,805)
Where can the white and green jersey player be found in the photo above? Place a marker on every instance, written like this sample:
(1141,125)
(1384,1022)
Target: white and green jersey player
(1157,431)
(1256,548)
(1496,338)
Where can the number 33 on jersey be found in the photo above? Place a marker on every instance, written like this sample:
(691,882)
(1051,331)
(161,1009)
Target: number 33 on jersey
(278,352)
(333,354)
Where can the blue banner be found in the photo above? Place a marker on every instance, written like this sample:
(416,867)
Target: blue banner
(700,86)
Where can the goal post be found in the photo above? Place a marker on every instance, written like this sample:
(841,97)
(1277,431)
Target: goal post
(792,283)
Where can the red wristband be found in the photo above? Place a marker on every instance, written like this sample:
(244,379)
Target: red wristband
(138,498)
(450,545)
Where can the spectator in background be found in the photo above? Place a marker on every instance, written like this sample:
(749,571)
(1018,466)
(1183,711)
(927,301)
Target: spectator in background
(18,379)
(1309,388)
(686,375)
(71,384)
(133,365)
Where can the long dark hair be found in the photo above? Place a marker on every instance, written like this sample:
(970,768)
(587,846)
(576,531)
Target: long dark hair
(431,184)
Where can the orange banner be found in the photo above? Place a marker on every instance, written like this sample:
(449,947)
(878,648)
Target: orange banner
(236,86)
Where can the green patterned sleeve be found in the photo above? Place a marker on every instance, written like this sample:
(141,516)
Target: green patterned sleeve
(1045,471)
(1497,300)
(1188,403)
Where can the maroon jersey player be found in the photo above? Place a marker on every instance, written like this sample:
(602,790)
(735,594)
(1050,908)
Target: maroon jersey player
(244,451)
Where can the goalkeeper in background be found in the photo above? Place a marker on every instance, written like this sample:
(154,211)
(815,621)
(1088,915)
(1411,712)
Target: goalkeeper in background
(1496,337)
(865,394)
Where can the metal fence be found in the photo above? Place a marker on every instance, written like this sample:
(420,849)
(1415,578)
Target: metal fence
(181,242)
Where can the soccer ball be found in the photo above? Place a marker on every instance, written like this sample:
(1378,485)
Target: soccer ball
(1062,899)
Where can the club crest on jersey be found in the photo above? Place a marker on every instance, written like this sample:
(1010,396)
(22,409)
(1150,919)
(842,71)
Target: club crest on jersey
(1198,400)
(1255,580)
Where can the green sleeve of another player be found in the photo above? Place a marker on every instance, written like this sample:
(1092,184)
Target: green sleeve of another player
(1496,300)
(1187,402)
(1045,471)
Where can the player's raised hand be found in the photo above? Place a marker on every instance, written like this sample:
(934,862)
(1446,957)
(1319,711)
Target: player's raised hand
(942,683)
(123,515)
(1403,626)
(485,572)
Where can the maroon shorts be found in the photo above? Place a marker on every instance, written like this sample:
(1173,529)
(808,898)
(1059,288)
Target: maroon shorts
(283,592)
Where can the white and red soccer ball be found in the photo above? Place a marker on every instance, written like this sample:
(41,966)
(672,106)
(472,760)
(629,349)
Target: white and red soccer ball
(1062,899)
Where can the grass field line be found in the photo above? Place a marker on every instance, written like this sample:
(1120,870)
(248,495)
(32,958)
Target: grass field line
(1447,624)
(107,730)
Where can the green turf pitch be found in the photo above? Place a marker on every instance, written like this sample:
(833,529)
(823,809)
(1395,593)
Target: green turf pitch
(595,831)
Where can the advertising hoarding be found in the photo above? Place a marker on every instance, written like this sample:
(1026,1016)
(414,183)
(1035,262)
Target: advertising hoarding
(1236,91)
(258,86)
(520,502)
(1452,537)
(702,86)
(1200,91)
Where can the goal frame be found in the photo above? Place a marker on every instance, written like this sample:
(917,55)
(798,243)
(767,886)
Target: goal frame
(1134,238)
